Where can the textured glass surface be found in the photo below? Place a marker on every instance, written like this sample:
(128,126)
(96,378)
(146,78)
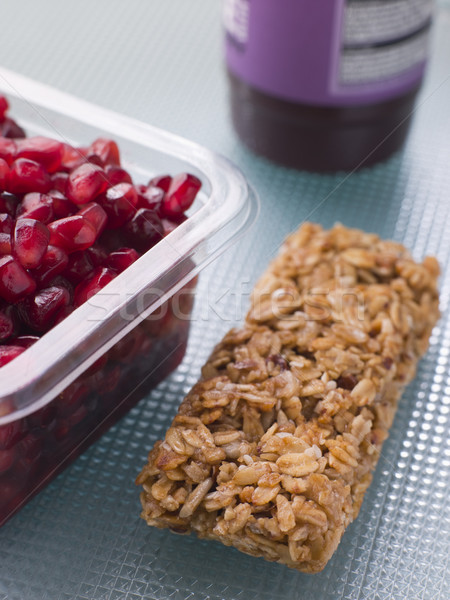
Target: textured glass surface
(82,538)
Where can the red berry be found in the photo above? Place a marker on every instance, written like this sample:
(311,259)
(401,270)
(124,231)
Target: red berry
(72,157)
(112,240)
(59,181)
(3,107)
(62,207)
(5,175)
(116,175)
(8,149)
(36,206)
(85,183)
(54,262)
(12,432)
(8,203)
(144,230)
(171,224)
(119,203)
(149,197)
(97,254)
(181,194)
(6,323)
(15,282)
(161,181)
(7,459)
(106,150)
(6,223)
(72,233)
(30,242)
(63,313)
(72,398)
(28,176)
(5,244)
(96,215)
(79,267)
(86,289)
(45,151)
(121,259)
(10,129)
(39,311)
(7,354)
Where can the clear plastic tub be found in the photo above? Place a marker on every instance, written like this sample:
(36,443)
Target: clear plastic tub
(80,377)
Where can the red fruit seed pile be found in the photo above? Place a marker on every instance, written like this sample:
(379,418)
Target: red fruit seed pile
(71,219)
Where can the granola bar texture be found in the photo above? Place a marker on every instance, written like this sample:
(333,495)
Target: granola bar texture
(273,450)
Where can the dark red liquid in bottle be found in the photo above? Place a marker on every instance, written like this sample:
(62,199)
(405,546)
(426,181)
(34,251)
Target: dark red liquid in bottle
(325,85)
(318,138)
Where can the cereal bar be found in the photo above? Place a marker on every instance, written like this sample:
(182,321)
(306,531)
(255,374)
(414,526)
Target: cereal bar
(273,450)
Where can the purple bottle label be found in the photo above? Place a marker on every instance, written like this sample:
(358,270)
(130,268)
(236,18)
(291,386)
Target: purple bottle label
(328,52)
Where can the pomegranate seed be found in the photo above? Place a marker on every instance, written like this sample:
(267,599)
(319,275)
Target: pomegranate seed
(62,207)
(144,230)
(79,267)
(54,262)
(45,151)
(85,183)
(86,289)
(72,157)
(108,380)
(30,242)
(171,224)
(107,150)
(10,129)
(7,354)
(119,203)
(43,418)
(15,282)
(72,398)
(25,341)
(36,206)
(5,244)
(95,214)
(113,239)
(6,223)
(149,197)
(59,181)
(121,259)
(63,314)
(8,203)
(30,447)
(94,160)
(4,105)
(77,417)
(72,233)
(116,175)
(11,433)
(63,282)
(97,254)
(161,181)
(6,325)
(8,149)
(7,459)
(28,176)
(39,311)
(4,174)
(181,194)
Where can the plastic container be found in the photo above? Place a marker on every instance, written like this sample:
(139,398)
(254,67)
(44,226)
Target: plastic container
(80,377)
(327,85)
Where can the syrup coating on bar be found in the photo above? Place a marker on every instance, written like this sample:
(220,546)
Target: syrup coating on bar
(273,450)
